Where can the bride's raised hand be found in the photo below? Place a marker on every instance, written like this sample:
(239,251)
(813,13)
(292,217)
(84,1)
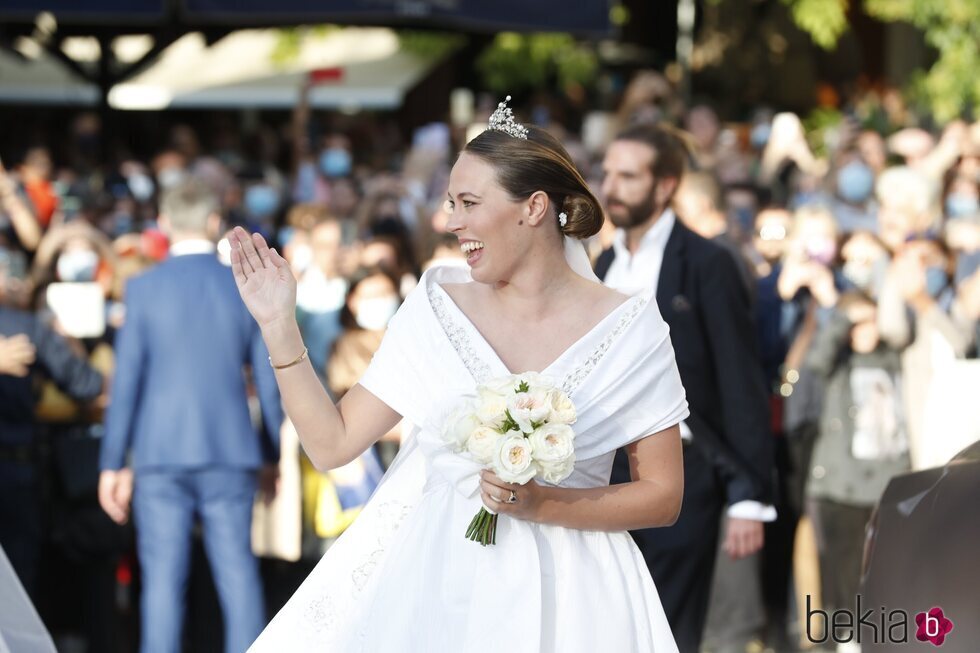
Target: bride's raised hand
(264,280)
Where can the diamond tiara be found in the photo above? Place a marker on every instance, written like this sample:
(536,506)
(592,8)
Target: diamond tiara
(502,120)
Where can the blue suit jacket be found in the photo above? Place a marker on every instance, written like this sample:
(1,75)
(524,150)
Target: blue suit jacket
(178,396)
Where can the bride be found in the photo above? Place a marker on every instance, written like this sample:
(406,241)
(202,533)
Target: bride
(563,575)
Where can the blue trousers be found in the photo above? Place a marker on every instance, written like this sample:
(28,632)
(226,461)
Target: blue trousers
(165,506)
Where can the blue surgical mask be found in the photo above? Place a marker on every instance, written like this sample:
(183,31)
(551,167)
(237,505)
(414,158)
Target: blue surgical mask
(261,201)
(855,181)
(936,280)
(79,265)
(744,217)
(335,162)
(122,224)
(304,189)
(759,135)
(966,264)
(960,204)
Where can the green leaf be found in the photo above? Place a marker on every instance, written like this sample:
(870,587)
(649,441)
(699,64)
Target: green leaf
(824,20)
(430,44)
(950,88)
(516,62)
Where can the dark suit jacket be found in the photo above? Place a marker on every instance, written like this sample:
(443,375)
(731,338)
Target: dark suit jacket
(55,359)
(178,397)
(703,300)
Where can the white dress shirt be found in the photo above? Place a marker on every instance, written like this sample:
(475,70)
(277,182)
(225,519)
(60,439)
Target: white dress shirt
(192,246)
(633,272)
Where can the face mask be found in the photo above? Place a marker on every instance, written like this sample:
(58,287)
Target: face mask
(966,265)
(960,204)
(335,162)
(170,177)
(140,186)
(859,274)
(77,266)
(374,314)
(122,224)
(304,190)
(759,135)
(936,280)
(261,201)
(855,181)
(821,250)
(744,215)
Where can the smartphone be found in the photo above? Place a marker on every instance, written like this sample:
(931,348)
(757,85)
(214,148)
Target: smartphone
(79,307)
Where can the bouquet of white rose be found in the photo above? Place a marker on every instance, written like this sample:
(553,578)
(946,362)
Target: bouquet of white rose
(518,425)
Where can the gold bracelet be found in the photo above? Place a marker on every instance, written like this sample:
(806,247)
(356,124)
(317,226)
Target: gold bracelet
(298,360)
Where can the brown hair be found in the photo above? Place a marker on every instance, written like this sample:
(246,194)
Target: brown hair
(541,163)
(853,298)
(671,148)
(347,319)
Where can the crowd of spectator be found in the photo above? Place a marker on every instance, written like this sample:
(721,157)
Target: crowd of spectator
(859,245)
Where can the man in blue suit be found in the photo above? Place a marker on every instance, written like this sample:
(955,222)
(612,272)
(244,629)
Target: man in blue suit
(178,404)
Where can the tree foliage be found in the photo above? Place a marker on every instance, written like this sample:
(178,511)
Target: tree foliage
(952,27)
(510,64)
(515,62)
(951,86)
(824,20)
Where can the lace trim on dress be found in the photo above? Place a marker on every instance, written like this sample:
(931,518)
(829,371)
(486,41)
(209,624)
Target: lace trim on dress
(478,368)
(322,611)
(574,378)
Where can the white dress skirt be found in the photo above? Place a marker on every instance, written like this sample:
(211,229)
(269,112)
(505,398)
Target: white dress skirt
(404,578)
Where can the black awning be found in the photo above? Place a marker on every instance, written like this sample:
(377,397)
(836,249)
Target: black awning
(583,17)
(112,12)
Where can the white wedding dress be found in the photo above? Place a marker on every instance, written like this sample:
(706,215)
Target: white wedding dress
(404,578)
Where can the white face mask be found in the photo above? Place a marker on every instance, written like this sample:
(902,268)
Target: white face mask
(79,265)
(373,314)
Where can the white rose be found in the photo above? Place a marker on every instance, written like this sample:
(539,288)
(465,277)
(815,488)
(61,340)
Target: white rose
(552,443)
(562,408)
(502,385)
(557,471)
(459,425)
(512,460)
(535,381)
(527,407)
(491,408)
(483,444)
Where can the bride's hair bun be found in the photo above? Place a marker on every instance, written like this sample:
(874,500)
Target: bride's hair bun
(584,216)
(541,163)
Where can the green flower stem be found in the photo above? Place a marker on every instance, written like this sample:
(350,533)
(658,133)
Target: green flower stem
(483,528)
